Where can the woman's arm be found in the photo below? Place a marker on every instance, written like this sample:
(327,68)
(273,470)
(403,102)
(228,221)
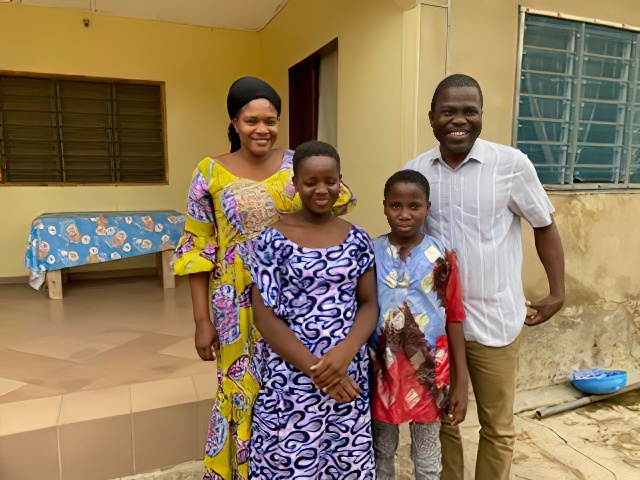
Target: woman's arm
(206,337)
(332,367)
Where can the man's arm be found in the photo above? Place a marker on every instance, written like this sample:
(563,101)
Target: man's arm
(551,254)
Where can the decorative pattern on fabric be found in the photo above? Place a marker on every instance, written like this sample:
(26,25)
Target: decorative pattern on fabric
(411,359)
(64,240)
(298,431)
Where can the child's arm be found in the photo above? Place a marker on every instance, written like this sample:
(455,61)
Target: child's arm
(279,336)
(332,367)
(459,395)
(285,343)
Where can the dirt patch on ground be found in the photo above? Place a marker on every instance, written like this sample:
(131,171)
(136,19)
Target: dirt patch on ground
(597,442)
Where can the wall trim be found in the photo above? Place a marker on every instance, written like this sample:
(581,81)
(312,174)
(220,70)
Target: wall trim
(566,16)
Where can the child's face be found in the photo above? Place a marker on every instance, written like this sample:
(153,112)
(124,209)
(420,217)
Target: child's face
(318,183)
(406,208)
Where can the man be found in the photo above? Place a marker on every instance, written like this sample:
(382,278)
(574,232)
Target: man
(480,191)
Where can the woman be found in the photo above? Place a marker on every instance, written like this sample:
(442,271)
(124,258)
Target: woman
(232,199)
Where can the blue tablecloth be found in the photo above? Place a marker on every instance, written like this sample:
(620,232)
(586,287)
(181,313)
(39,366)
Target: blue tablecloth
(62,240)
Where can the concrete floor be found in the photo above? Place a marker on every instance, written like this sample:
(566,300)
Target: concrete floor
(119,332)
(597,442)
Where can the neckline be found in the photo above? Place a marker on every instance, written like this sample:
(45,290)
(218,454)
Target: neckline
(331,247)
(286,159)
(411,252)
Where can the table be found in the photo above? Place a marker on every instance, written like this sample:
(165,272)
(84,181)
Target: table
(64,240)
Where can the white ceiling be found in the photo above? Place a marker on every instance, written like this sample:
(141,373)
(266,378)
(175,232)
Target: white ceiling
(250,15)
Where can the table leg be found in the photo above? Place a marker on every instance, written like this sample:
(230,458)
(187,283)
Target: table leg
(168,280)
(54,284)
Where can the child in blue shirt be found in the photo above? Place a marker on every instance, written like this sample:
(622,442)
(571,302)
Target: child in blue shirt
(419,328)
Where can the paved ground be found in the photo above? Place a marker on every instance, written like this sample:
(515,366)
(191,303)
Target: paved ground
(597,442)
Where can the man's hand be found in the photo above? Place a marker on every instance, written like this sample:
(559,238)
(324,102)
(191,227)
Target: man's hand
(542,311)
(332,367)
(206,339)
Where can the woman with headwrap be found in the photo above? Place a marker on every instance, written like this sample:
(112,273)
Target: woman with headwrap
(232,199)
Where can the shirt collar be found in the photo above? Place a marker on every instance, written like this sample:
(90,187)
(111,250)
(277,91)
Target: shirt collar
(477,153)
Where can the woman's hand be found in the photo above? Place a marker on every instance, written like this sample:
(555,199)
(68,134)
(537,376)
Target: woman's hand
(332,367)
(345,391)
(206,339)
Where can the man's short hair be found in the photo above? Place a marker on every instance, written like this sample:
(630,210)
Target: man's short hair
(456,80)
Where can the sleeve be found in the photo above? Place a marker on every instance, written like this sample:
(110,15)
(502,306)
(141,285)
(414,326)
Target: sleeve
(365,255)
(264,269)
(453,292)
(346,201)
(196,251)
(528,198)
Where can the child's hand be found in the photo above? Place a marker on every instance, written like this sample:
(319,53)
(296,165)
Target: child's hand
(458,401)
(332,367)
(345,391)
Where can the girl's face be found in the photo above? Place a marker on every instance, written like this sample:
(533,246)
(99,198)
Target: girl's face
(318,183)
(257,126)
(406,208)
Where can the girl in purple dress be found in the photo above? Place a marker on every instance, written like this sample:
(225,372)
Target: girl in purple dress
(314,301)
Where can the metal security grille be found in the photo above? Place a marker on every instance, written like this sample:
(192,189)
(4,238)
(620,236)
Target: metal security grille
(60,130)
(579,102)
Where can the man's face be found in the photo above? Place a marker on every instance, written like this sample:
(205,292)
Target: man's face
(457,121)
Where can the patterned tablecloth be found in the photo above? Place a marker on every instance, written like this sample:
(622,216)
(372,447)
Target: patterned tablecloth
(63,240)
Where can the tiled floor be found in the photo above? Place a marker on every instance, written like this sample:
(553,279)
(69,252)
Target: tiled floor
(105,382)
(105,333)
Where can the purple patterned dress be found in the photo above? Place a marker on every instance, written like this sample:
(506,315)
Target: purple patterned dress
(298,431)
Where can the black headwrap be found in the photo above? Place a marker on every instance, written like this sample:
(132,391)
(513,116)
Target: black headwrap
(243,91)
(246,89)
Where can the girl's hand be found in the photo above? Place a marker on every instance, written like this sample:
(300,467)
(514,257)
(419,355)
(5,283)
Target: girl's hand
(206,339)
(345,391)
(458,401)
(332,367)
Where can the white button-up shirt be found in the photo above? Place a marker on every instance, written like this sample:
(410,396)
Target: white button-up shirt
(476,210)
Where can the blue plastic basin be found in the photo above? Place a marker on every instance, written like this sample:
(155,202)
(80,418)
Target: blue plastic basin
(596,381)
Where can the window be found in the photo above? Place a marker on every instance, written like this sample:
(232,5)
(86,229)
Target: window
(578,114)
(63,130)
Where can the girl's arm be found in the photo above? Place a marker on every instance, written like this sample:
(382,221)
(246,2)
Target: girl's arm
(332,367)
(285,343)
(459,396)
(279,336)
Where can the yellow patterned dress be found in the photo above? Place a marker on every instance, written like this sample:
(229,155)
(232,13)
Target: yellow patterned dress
(224,212)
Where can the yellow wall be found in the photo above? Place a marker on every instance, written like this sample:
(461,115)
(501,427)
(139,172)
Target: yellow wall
(197,64)
(601,322)
(370,41)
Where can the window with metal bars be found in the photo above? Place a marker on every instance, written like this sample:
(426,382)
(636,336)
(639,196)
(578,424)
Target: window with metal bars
(578,114)
(64,130)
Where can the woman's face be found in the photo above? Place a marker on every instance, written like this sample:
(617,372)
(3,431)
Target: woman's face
(318,183)
(257,126)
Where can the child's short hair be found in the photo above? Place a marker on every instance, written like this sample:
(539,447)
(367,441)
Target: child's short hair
(408,176)
(313,148)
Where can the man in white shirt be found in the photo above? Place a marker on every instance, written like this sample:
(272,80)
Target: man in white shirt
(479,192)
